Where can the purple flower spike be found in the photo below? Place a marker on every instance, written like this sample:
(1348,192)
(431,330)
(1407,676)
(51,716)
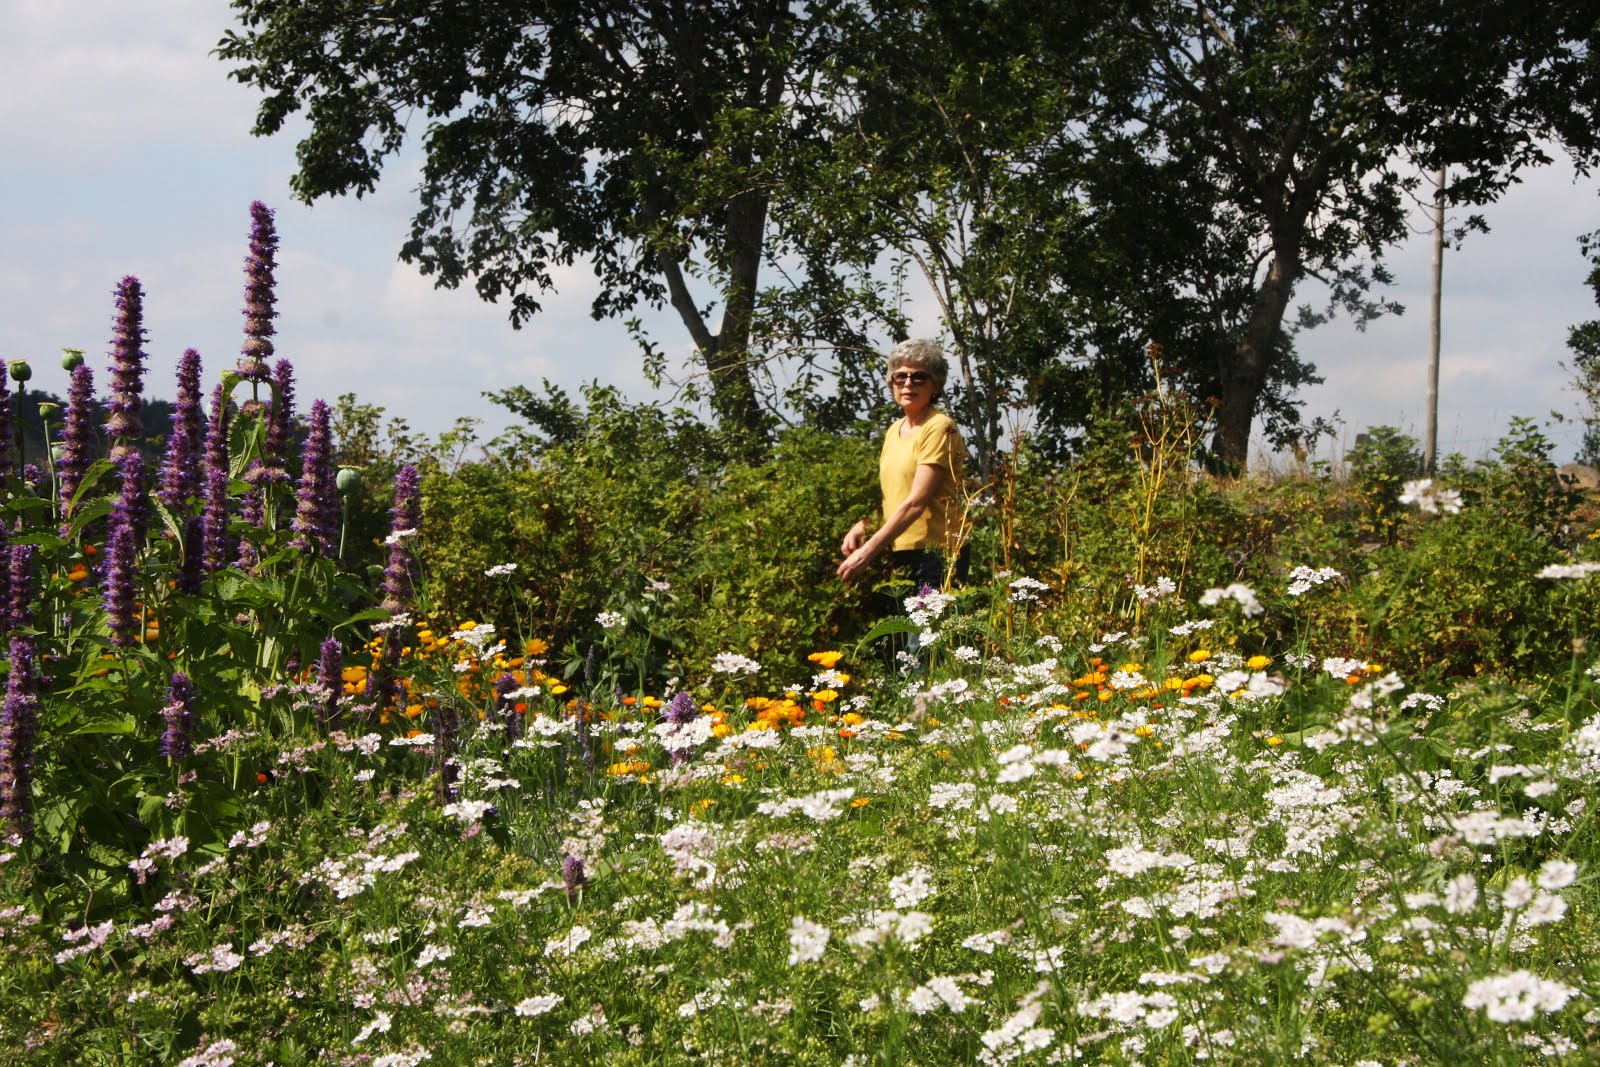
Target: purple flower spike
(280,424)
(5,575)
(19,587)
(117,592)
(572,873)
(191,572)
(127,364)
(330,678)
(681,708)
(316,508)
(77,435)
(19,727)
(505,707)
(131,509)
(180,471)
(216,484)
(403,525)
(259,296)
(177,740)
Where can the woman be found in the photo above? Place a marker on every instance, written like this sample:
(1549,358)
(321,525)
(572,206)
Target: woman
(919,472)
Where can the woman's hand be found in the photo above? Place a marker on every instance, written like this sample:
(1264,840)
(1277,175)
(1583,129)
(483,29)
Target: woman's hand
(854,539)
(856,563)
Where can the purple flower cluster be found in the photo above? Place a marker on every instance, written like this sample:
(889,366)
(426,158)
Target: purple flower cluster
(122,550)
(180,471)
(16,611)
(177,739)
(127,364)
(19,727)
(316,516)
(280,424)
(404,518)
(77,436)
(216,484)
(259,295)
(505,707)
(572,874)
(330,677)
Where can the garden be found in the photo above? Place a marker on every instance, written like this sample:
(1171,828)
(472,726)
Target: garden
(327,744)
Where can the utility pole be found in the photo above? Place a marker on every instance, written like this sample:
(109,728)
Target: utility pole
(1430,447)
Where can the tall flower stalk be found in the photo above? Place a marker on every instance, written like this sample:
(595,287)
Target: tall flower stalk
(260,298)
(180,470)
(18,604)
(177,735)
(396,586)
(316,508)
(280,423)
(77,437)
(127,366)
(215,522)
(330,679)
(19,727)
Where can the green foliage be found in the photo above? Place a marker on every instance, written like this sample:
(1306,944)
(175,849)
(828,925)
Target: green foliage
(1380,465)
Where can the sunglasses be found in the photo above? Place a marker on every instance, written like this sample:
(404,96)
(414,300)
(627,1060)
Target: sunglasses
(916,377)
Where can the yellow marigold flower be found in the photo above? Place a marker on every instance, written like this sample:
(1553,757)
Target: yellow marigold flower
(651,702)
(722,729)
(1199,655)
(701,806)
(467,625)
(895,735)
(733,779)
(536,647)
(825,696)
(1173,683)
(78,573)
(557,689)
(851,718)
(825,660)
(933,723)
(1143,731)
(413,710)
(1258,663)
(860,802)
(1131,668)
(1105,695)
(1274,740)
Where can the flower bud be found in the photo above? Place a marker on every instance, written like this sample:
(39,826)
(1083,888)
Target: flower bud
(348,481)
(49,410)
(20,371)
(71,359)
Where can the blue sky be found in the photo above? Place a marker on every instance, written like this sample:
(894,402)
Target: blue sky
(127,151)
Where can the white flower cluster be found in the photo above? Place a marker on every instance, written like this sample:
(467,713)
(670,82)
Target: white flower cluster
(500,570)
(1516,997)
(1149,594)
(807,940)
(1430,499)
(1304,579)
(611,620)
(1570,571)
(1024,590)
(1243,595)
(733,663)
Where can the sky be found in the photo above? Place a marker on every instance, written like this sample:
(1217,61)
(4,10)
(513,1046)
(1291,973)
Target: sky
(125,149)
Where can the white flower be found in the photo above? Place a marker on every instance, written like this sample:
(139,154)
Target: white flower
(433,954)
(1569,570)
(807,940)
(1460,894)
(611,620)
(733,663)
(912,888)
(1516,997)
(538,1005)
(1243,595)
(500,570)
(1557,874)
(1304,579)
(1422,493)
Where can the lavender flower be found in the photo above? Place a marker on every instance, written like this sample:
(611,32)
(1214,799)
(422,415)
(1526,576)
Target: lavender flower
(131,508)
(315,517)
(117,592)
(33,477)
(280,424)
(77,435)
(259,297)
(180,471)
(19,587)
(681,709)
(406,515)
(216,484)
(330,679)
(5,575)
(127,364)
(19,727)
(177,740)
(191,571)
(573,875)
(506,707)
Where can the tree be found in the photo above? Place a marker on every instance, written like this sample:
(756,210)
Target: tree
(649,138)
(1584,340)
(1291,125)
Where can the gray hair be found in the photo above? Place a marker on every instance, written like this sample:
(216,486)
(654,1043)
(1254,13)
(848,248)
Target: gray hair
(919,353)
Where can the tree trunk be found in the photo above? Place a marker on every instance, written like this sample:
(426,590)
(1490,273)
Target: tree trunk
(1243,377)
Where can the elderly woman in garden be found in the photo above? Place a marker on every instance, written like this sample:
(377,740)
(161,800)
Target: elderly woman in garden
(919,471)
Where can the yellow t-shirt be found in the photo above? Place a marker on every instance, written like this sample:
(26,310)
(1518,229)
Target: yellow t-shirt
(936,441)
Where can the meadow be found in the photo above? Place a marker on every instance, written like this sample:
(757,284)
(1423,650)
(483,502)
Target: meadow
(297,767)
